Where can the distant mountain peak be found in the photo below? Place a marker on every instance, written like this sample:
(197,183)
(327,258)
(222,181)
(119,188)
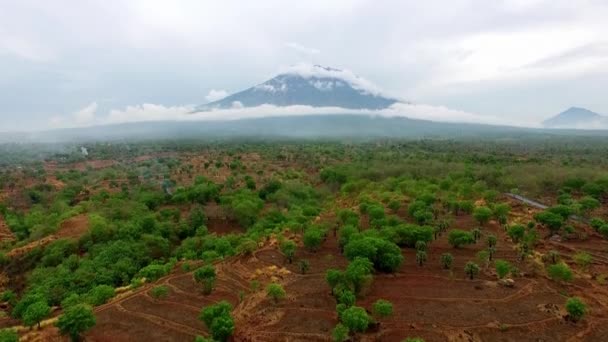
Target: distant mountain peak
(576,117)
(309,85)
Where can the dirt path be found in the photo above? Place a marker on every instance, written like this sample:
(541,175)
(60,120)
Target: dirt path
(526,200)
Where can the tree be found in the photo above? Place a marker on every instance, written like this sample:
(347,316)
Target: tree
(491,252)
(385,255)
(516,232)
(503,268)
(482,214)
(160,291)
(205,275)
(313,237)
(276,292)
(35,313)
(355,319)
(382,308)
(560,272)
(551,220)
(420,257)
(288,248)
(334,278)
(218,320)
(9,335)
(340,333)
(576,308)
(304,266)
(501,212)
(358,273)
(492,241)
(458,238)
(471,269)
(76,320)
(588,204)
(446,260)
(476,234)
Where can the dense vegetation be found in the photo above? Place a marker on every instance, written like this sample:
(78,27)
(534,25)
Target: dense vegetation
(144,216)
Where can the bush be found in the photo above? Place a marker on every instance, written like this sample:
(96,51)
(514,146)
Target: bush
(347,297)
(576,308)
(340,333)
(9,335)
(153,272)
(458,238)
(503,268)
(482,214)
(247,247)
(218,320)
(160,291)
(288,248)
(99,295)
(446,260)
(206,276)
(276,292)
(382,308)
(313,237)
(407,235)
(583,259)
(355,319)
(560,272)
(516,232)
(471,269)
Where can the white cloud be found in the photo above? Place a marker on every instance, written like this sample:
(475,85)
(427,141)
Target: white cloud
(86,115)
(303,49)
(146,112)
(153,112)
(308,71)
(215,95)
(54,52)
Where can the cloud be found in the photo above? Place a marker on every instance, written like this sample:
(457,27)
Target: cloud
(86,115)
(303,49)
(154,112)
(308,70)
(53,53)
(215,95)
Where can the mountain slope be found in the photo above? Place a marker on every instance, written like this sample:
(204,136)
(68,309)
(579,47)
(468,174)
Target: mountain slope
(314,86)
(576,117)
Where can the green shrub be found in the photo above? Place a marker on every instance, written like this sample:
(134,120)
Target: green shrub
(560,272)
(576,308)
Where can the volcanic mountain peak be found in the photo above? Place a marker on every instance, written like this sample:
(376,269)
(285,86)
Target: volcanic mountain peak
(309,85)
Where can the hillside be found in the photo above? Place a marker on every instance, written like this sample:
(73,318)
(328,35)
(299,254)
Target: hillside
(577,118)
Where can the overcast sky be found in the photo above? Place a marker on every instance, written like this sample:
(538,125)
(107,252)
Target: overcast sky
(65,62)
